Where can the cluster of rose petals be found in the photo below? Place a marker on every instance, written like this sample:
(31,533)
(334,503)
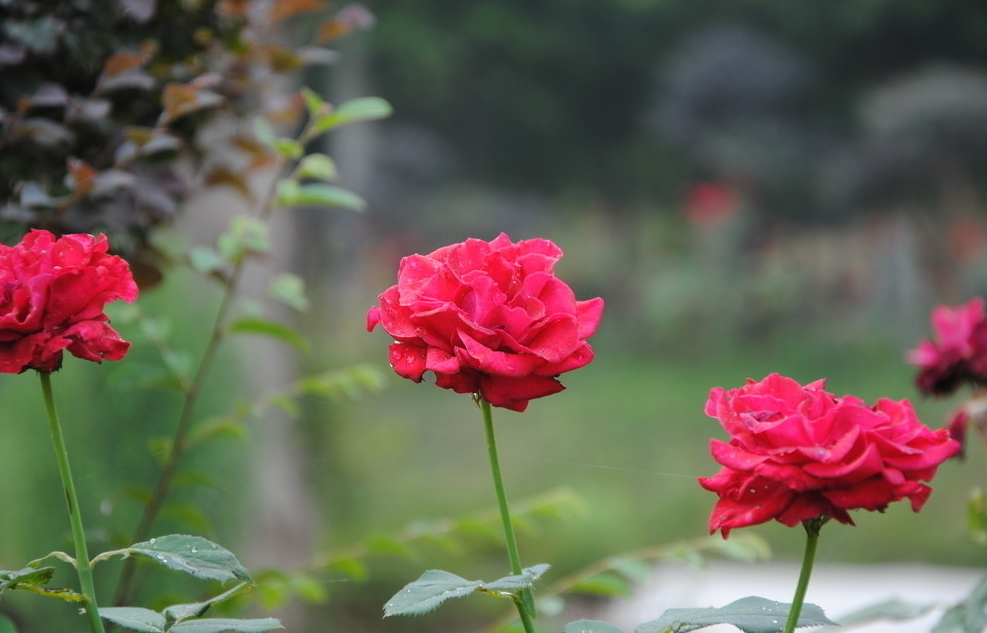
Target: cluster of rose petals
(798,453)
(959,352)
(54,291)
(488,318)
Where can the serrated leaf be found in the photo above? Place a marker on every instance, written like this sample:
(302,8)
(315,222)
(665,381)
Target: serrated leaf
(265,327)
(430,590)
(436,586)
(135,618)
(220,625)
(362,109)
(524,580)
(193,555)
(751,615)
(590,626)
(292,194)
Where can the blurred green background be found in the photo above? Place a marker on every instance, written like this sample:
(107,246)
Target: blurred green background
(752,186)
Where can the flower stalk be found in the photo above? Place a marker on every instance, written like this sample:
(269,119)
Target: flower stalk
(812,527)
(82,565)
(525,600)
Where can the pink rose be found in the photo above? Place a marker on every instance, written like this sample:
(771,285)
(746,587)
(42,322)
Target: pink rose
(959,352)
(53,294)
(798,453)
(489,318)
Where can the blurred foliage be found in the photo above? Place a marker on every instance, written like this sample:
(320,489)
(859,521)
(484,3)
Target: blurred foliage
(113,113)
(631,99)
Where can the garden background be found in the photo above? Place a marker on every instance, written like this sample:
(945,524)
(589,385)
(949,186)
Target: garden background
(751,186)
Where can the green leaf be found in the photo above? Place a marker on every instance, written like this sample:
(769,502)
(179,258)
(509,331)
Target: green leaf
(430,590)
(309,589)
(264,132)
(893,609)
(317,166)
(135,618)
(289,289)
(524,580)
(23,578)
(246,235)
(976,517)
(265,327)
(205,260)
(219,625)
(590,626)
(179,612)
(604,584)
(193,555)
(314,103)
(352,567)
(289,147)
(751,615)
(292,194)
(436,586)
(188,514)
(967,616)
(363,109)
(35,579)
(6,626)
(386,544)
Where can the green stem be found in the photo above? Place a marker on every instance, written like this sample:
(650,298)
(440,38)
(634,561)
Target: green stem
(82,565)
(192,391)
(812,527)
(525,602)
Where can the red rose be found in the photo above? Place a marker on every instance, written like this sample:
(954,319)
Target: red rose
(489,318)
(53,294)
(798,453)
(959,352)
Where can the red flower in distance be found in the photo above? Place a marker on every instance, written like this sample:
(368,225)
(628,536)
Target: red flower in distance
(798,453)
(489,318)
(959,352)
(53,295)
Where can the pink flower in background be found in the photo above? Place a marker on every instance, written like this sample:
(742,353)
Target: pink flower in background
(798,453)
(957,354)
(711,203)
(489,318)
(53,295)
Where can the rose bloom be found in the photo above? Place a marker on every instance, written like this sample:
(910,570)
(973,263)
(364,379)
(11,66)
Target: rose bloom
(798,453)
(959,352)
(53,295)
(489,318)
